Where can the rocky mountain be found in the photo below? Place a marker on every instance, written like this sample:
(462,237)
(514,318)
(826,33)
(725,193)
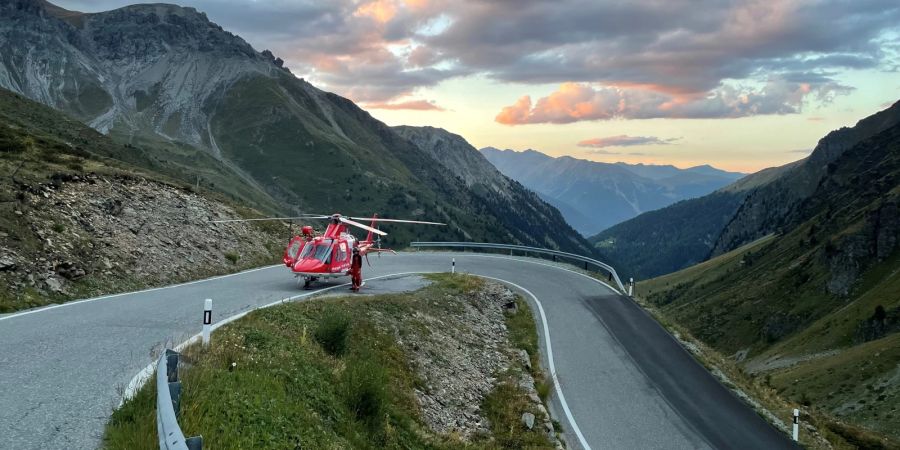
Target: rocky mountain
(816,299)
(594,196)
(506,198)
(165,78)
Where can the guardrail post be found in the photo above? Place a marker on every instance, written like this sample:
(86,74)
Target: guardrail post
(207,320)
(171,365)
(796,434)
(194,443)
(554,258)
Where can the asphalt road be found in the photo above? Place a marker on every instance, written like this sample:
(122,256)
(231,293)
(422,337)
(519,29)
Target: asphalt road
(626,383)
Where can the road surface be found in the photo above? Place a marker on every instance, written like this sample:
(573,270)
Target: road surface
(626,383)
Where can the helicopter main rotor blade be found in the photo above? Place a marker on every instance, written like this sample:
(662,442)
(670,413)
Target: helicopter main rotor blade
(269,218)
(364,227)
(379,219)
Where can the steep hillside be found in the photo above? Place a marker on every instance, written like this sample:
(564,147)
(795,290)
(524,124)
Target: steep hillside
(604,194)
(816,308)
(517,207)
(76,222)
(165,77)
(772,207)
(677,236)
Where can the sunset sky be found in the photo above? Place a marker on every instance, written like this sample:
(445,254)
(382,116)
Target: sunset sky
(741,85)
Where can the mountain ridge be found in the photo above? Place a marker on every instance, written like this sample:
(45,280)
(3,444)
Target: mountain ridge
(604,194)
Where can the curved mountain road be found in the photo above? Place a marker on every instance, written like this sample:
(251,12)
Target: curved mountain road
(626,383)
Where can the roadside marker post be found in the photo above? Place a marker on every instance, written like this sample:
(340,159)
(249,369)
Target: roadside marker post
(453,266)
(207,320)
(631,287)
(796,425)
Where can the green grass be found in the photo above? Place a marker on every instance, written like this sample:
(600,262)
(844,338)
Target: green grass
(288,391)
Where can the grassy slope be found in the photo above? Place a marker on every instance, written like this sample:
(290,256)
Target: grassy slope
(37,144)
(768,300)
(286,391)
(858,383)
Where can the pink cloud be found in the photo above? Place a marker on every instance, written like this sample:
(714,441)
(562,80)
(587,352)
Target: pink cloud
(574,102)
(623,141)
(418,105)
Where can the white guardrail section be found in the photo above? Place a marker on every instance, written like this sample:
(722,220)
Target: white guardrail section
(526,250)
(168,398)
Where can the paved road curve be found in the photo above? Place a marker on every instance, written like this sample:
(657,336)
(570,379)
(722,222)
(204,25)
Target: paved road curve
(626,382)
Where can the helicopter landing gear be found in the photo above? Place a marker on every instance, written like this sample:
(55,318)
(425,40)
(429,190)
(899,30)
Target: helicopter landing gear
(307,282)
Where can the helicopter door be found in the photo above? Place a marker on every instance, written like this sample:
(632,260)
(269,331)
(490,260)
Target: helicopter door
(341,256)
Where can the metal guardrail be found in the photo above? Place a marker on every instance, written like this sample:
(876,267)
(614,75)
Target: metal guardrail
(168,399)
(524,249)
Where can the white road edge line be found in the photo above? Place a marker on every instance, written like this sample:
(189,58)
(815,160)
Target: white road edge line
(556,385)
(104,297)
(144,375)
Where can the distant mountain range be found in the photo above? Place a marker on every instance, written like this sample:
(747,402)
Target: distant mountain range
(594,196)
(200,104)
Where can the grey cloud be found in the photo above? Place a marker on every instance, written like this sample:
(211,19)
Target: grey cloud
(667,46)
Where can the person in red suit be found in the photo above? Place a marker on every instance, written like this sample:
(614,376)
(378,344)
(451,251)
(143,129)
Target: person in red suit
(356,270)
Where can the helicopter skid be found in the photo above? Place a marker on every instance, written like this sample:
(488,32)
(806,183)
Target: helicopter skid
(319,275)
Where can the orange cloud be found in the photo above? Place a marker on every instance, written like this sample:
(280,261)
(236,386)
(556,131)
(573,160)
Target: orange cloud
(417,105)
(380,10)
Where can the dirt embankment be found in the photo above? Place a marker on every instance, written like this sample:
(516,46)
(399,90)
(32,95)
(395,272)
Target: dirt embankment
(81,235)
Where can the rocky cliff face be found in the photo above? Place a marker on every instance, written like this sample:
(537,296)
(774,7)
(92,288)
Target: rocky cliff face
(140,68)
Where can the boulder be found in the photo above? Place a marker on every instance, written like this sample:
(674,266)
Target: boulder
(528,420)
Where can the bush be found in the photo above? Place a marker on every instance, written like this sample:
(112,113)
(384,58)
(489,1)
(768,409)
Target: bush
(232,256)
(364,384)
(332,332)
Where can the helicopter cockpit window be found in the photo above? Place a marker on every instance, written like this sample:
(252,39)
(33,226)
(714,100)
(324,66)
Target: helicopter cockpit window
(295,248)
(323,251)
(307,251)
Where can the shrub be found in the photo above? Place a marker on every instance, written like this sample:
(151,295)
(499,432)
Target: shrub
(332,332)
(232,256)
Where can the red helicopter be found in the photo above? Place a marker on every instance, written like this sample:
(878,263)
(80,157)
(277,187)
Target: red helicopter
(336,253)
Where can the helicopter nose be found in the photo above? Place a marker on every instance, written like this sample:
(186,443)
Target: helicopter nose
(308,265)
